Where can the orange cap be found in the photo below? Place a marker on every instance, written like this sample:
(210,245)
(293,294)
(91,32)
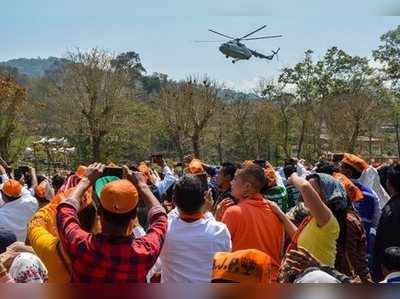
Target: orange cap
(119,197)
(195,167)
(40,189)
(12,188)
(80,172)
(355,162)
(246,266)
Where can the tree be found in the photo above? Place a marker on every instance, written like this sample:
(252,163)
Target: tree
(275,93)
(388,54)
(12,101)
(354,94)
(93,99)
(303,78)
(187,107)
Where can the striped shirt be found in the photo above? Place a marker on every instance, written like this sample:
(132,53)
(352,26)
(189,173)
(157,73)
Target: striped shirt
(279,195)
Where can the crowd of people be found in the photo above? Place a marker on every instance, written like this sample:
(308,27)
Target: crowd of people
(337,221)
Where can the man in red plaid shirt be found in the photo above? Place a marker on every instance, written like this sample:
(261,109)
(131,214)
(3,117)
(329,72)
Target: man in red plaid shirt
(114,255)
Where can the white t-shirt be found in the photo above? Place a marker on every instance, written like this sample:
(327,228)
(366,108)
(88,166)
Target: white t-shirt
(16,214)
(189,248)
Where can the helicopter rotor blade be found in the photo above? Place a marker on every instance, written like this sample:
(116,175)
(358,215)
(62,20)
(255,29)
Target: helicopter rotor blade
(224,35)
(209,41)
(263,37)
(262,27)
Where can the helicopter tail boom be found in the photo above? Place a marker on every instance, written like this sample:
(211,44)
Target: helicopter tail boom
(269,57)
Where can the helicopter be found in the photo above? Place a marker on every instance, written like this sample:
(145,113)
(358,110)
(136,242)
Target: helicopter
(237,50)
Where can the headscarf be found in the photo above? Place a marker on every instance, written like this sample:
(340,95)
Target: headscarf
(28,268)
(334,193)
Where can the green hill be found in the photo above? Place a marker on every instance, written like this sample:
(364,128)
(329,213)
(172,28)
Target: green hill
(31,66)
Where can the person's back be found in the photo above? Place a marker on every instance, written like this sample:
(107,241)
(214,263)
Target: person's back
(388,231)
(193,237)
(114,255)
(367,208)
(252,223)
(18,208)
(351,256)
(189,247)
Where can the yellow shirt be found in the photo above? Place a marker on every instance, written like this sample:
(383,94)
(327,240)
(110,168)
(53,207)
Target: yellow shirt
(320,242)
(45,242)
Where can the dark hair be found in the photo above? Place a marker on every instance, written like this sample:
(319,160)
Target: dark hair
(326,167)
(87,217)
(18,174)
(117,220)
(260,163)
(188,194)
(382,171)
(355,174)
(289,169)
(393,176)
(290,161)
(40,178)
(229,168)
(167,195)
(57,181)
(133,167)
(254,175)
(391,258)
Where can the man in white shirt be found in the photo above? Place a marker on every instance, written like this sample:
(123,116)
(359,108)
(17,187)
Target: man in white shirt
(18,208)
(193,237)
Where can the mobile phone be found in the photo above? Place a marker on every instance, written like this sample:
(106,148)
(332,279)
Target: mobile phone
(113,171)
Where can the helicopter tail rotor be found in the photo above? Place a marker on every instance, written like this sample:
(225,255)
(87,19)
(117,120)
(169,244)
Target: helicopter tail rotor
(276,53)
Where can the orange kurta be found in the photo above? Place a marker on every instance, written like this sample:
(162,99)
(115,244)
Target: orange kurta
(253,225)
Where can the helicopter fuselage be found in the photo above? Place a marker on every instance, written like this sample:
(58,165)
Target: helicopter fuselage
(235,50)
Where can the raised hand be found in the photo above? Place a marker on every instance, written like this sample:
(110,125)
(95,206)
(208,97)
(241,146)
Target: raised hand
(94,171)
(222,207)
(135,177)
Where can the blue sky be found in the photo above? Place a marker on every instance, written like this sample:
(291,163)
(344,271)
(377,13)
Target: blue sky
(162,32)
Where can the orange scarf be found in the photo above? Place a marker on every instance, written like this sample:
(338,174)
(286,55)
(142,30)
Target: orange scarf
(353,192)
